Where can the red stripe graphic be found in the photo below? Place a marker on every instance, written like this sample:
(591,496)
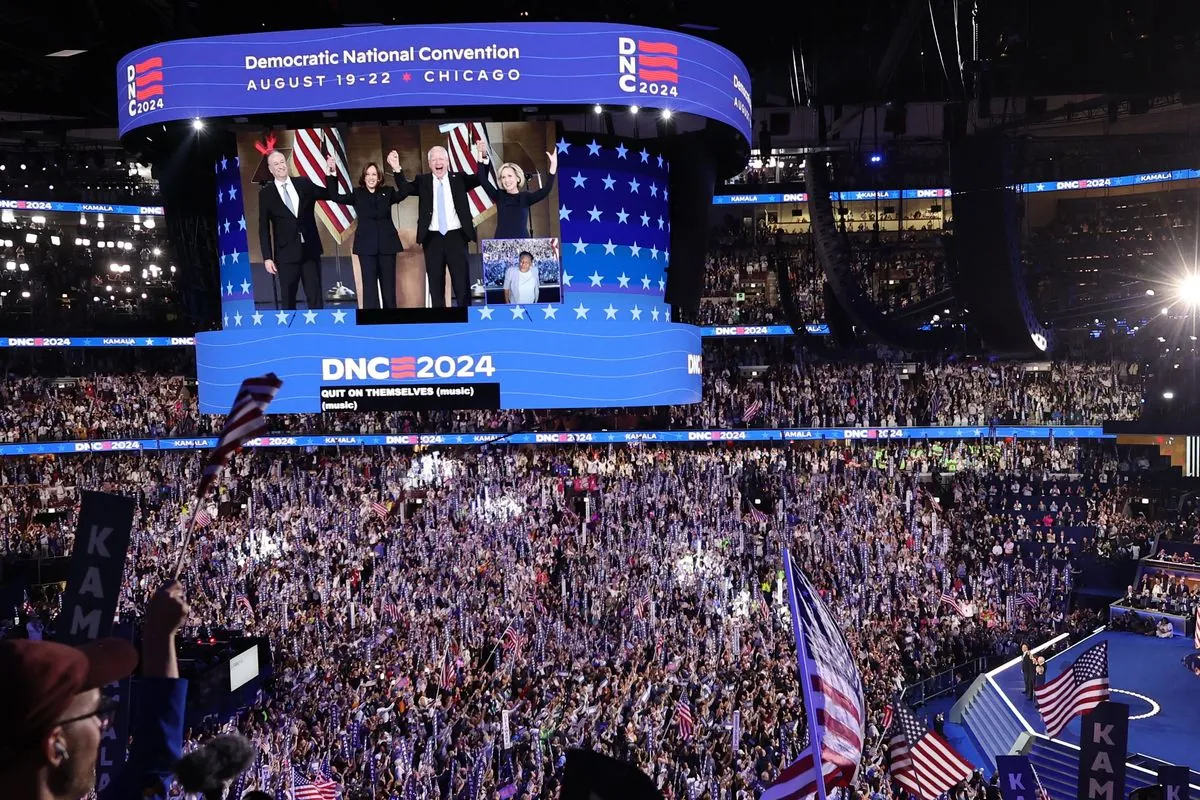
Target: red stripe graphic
(658,76)
(148,64)
(658,48)
(662,62)
(153,77)
(150,91)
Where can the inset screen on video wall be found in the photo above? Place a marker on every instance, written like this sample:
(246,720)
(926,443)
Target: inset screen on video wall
(470,217)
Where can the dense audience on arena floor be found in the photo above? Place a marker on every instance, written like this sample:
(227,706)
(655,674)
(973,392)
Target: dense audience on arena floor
(660,586)
(759,384)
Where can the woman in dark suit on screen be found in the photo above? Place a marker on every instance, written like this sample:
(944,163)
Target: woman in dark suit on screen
(376,242)
(512,204)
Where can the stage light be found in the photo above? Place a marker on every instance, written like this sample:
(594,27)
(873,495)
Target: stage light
(666,114)
(632,110)
(197,124)
(876,158)
(598,109)
(1149,293)
(1189,290)
(1039,341)
(1168,395)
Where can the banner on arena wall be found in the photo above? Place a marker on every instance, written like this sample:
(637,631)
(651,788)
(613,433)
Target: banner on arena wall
(1017,779)
(1103,744)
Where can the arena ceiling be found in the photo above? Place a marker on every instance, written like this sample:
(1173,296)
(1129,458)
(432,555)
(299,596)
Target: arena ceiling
(874,50)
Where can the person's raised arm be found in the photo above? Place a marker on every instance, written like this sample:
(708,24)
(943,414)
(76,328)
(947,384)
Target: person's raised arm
(482,169)
(404,188)
(539,195)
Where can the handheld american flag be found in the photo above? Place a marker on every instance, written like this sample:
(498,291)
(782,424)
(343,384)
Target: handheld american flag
(920,760)
(833,698)
(1080,688)
(245,421)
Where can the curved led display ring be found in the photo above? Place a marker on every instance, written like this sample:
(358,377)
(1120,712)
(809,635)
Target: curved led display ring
(267,74)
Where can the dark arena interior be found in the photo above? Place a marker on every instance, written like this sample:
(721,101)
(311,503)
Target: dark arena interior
(641,401)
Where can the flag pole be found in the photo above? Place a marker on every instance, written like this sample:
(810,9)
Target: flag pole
(810,710)
(187,538)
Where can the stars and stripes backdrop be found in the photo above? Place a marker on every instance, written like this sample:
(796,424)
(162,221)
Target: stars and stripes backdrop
(460,145)
(310,148)
(1080,688)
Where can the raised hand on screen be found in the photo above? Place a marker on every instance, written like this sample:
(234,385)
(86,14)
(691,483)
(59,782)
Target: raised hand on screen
(481,149)
(393,161)
(553,157)
(330,166)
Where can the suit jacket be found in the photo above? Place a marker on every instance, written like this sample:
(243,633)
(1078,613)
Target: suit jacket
(376,233)
(295,236)
(422,186)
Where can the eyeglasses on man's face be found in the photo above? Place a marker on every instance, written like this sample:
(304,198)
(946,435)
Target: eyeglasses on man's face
(104,711)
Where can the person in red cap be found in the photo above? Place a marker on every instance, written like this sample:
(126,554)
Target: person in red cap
(53,714)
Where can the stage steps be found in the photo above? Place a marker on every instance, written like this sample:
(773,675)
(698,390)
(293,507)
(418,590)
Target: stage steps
(989,720)
(1057,765)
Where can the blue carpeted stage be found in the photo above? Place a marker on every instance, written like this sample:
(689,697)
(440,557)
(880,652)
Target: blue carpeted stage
(1146,673)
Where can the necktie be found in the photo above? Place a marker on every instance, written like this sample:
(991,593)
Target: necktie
(440,190)
(287,198)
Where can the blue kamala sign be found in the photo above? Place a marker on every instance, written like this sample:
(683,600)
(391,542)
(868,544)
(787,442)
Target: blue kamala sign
(432,65)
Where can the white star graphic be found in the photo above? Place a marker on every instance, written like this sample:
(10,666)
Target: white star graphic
(595,278)
(222,259)
(623,281)
(562,145)
(517,312)
(622,150)
(654,253)
(149,342)
(634,186)
(622,216)
(281,318)
(224,163)
(257,317)
(242,223)
(339,316)
(610,249)
(229,288)
(609,182)
(664,195)
(662,284)
(593,148)
(636,313)
(645,220)
(245,287)
(566,278)
(666,256)
(660,223)
(310,317)
(221,196)
(660,162)
(232,192)
(237,319)
(645,156)
(226,226)
(594,213)
(225,321)
(234,256)
(654,190)
(564,213)
(579,180)
(551,311)
(580,247)
(485,312)
(645,281)
(581,312)
(610,312)
(634,250)
(654,314)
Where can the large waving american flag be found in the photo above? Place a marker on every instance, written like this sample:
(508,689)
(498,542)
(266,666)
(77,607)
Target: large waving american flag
(310,149)
(460,144)
(833,697)
(1080,688)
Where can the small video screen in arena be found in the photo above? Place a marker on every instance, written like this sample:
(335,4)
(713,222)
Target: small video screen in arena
(404,406)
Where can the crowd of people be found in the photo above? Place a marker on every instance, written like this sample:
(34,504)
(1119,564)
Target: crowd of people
(765,383)
(556,598)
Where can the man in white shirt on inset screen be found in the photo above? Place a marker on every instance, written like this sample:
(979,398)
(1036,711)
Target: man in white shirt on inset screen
(521,283)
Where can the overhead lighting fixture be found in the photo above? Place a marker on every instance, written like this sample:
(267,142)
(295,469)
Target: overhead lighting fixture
(67,53)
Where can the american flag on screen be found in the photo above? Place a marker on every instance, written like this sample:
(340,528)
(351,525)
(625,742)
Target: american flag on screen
(920,760)
(310,149)
(1080,688)
(834,687)
(460,144)
(245,421)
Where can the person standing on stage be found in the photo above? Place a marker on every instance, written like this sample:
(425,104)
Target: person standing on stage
(376,242)
(1028,670)
(445,224)
(287,230)
(512,202)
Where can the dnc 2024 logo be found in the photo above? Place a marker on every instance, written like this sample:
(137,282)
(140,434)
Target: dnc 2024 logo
(647,67)
(144,86)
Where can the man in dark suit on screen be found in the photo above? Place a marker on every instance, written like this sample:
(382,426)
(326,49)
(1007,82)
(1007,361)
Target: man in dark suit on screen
(445,224)
(287,230)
